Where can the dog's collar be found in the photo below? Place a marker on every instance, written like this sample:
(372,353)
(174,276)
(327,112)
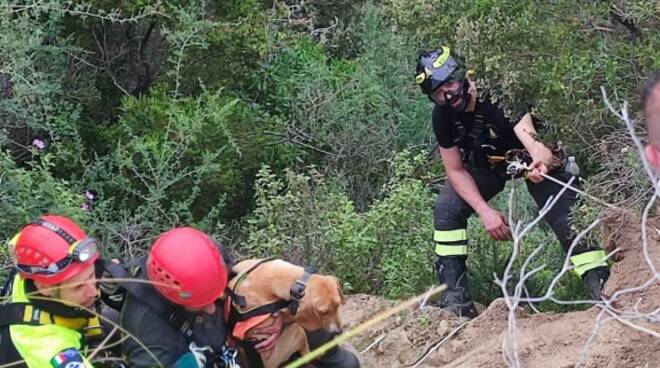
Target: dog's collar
(298,291)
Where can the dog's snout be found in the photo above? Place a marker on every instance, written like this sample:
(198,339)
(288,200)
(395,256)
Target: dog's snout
(335,329)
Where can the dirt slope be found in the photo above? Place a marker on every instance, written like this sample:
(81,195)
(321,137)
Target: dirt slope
(545,340)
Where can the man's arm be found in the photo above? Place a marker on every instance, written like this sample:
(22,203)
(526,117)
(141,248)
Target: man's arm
(464,185)
(541,155)
(266,346)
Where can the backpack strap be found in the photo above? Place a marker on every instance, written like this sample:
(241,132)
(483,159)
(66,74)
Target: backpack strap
(6,288)
(31,315)
(472,152)
(147,295)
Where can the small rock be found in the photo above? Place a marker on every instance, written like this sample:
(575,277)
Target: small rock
(393,342)
(406,355)
(443,328)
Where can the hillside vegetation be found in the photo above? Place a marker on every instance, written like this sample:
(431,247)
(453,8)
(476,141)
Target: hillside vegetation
(295,128)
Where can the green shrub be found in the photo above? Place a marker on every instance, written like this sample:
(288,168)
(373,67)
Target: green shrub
(27,193)
(185,161)
(349,117)
(38,89)
(489,258)
(308,218)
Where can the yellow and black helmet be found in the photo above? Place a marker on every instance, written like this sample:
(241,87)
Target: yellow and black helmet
(436,67)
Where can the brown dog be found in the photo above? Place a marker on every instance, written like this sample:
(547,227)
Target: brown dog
(272,281)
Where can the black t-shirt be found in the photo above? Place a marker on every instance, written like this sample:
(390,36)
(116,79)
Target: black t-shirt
(453,128)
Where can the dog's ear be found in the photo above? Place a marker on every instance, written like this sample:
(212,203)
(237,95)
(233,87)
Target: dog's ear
(321,307)
(306,315)
(340,290)
(310,315)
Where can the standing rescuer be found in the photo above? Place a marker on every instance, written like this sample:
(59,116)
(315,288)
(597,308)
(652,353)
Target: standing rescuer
(472,132)
(46,319)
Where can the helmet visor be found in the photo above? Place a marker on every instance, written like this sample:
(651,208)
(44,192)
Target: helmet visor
(443,73)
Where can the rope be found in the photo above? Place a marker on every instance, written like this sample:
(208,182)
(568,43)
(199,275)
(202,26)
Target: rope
(361,328)
(522,166)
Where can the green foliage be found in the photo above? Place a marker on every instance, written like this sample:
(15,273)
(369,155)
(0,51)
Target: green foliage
(328,22)
(216,45)
(488,257)
(349,116)
(308,219)
(30,192)
(189,33)
(27,193)
(240,41)
(37,87)
(182,161)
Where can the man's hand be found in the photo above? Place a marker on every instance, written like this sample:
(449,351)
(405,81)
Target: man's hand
(536,169)
(495,223)
(266,346)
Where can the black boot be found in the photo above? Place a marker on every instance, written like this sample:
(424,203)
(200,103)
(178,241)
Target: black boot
(594,280)
(456,298)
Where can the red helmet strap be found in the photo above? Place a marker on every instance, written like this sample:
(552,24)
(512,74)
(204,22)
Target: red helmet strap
(57,266)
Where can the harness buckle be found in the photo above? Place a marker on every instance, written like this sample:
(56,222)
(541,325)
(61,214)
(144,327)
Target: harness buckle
(298,289)
(230,357)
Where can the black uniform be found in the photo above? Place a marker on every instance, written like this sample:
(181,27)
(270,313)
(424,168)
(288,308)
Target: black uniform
(164,340)
(487,131)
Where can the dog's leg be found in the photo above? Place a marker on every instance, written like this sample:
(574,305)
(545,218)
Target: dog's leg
(300,338)
(292,340)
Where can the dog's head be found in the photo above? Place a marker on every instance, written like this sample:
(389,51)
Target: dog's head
(319,309)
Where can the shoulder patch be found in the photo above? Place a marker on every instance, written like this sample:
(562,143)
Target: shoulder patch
(69,358)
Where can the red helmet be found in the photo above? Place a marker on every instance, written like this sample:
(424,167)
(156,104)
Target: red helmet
(185,265)
(53,249)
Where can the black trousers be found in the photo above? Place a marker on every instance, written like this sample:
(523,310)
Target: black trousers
(451,212)
(337,357)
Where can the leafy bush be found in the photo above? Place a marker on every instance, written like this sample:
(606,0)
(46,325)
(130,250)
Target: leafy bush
(37,85)
(186,161)
(488,257)
(308,219)
(349,116)
(27,193)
